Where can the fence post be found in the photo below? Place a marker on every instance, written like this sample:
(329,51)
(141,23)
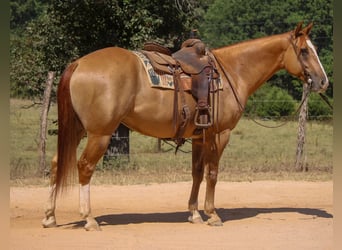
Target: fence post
(118,147)
(300,155)
(158,147)
(43,123)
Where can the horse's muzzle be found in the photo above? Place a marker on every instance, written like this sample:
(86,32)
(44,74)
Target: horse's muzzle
(317,84)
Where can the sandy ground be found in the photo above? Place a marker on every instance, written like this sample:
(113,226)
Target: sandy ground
(256,215)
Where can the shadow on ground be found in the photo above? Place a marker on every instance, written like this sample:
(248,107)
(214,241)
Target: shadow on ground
(179,217)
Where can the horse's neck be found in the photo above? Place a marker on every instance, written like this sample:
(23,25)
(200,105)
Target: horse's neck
(253,62)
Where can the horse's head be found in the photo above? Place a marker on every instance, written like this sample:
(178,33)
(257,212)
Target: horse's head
(301,60)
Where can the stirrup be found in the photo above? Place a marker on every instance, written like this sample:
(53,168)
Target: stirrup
(205,120)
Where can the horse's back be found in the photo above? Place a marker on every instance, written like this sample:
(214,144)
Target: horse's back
(103,87)
(106,60)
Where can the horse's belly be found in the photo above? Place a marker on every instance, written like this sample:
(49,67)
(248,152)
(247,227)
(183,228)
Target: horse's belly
(156,126)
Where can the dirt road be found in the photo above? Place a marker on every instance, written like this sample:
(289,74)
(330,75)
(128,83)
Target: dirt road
(256,215)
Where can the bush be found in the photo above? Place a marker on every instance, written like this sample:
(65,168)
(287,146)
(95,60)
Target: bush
(270,102)
(318,109)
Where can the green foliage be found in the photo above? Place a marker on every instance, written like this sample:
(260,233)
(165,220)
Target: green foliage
(27,70)
(275,103)
(47,35)
(228,22)
(23,11)
(54,34)
(318,109)
(270,102)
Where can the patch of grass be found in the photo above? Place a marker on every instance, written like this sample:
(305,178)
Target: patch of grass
(253,153)
(262,153)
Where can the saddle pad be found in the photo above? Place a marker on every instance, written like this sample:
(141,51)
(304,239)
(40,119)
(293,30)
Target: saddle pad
(164,81)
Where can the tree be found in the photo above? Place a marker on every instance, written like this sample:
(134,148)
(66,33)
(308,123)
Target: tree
(27,69)
(228,22)
(66,30)
(24,11)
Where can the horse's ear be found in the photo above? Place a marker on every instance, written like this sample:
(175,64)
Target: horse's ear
(308,28)
(298,30)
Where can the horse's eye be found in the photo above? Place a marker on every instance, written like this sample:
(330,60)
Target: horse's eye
(304,51)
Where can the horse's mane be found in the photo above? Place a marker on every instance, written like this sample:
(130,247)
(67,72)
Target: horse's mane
(247,43)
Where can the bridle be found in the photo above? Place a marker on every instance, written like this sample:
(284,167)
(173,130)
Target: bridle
(307,80)
(306,74)
(298,53)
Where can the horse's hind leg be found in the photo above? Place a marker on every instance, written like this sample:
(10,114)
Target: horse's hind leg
(50,219)
(96,147)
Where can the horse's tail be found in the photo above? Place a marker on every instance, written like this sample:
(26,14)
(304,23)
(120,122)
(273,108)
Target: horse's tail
(69,126)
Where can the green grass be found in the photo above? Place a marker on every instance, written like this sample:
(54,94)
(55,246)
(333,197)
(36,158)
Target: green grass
(253,153)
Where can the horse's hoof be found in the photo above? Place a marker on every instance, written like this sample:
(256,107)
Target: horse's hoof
(214,222)
(195,220)
(92,225)
(49,222)
(88,227)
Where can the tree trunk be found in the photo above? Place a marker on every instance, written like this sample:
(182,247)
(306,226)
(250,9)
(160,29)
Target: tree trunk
(300,154)
(43,123)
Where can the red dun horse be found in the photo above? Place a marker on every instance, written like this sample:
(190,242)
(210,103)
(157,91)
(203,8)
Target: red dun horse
(110,86)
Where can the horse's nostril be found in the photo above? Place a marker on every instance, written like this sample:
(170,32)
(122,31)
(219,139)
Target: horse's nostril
(324,84)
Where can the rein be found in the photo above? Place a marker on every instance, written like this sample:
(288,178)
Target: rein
(284,123)
(308,80)
(325,99)
(242,108)
(229,80)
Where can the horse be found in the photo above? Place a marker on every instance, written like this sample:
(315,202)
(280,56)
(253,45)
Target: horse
(110,86)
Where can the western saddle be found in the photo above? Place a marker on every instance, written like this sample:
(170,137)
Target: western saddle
(193,60)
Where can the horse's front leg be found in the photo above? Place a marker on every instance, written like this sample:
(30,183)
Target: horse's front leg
(50,219)
(197,177)
(212,156)
(209,206)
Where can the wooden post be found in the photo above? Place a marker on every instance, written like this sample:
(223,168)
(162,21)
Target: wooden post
(118,148)
(158,145)
(43,123)
(300,156)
